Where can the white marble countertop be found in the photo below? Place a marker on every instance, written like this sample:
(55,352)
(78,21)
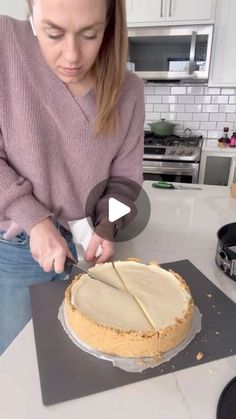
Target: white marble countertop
(212,146)
(183,225)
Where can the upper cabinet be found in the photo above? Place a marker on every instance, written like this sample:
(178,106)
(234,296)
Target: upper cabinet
(139,11)
(190,10)
(223,62)
(167,12)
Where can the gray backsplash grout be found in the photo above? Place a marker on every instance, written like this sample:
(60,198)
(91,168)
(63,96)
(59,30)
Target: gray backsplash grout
(205,110)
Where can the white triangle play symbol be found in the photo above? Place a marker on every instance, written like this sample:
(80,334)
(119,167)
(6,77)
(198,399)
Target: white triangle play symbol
(117,209)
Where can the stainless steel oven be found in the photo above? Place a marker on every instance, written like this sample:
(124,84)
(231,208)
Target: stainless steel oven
(172,159)
(170,171)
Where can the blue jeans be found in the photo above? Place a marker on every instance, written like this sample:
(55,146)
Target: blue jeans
(18,270)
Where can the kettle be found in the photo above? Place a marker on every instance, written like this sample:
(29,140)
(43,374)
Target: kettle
(162,128)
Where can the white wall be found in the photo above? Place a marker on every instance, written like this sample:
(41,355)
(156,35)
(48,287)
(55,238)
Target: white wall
(14,8)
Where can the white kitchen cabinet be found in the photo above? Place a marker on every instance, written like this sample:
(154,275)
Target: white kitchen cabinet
(217,168)
(139,11)
(190,10)
(223,62)
(14,8)
(167,12)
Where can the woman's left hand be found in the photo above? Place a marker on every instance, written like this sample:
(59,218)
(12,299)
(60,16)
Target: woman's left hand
(107,248)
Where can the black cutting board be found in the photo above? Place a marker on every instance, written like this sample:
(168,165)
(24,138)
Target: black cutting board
(66,372)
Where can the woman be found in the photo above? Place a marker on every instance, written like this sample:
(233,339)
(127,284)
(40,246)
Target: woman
(71,116)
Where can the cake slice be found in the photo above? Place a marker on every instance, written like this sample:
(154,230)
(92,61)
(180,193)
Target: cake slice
(164,298)
(105,272)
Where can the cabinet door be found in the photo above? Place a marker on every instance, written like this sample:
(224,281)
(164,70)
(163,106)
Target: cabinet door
(140,11)
(190,10)
(223,61)
(216,168)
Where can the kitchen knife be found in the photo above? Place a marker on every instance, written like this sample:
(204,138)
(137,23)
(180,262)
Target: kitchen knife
(80,265)
(168,185)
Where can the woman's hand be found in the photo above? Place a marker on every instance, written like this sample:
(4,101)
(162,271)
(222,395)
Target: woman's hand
(106,246)
(103,236)
(48,247)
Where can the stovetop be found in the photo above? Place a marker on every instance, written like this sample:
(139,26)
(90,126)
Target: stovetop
(174,140)
(172,148)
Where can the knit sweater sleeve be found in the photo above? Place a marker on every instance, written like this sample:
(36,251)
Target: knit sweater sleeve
(127,164)
(17,202)
(18,205)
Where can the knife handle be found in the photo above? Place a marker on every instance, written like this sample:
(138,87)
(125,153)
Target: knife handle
(68,265)
(163,185)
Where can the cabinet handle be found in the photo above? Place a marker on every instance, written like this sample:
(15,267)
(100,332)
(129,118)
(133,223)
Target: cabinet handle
(161,12)
(170,8)
(192,52)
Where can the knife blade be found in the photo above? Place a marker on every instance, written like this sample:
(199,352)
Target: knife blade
(81,265)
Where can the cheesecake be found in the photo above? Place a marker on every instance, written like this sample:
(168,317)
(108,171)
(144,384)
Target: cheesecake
(129,309)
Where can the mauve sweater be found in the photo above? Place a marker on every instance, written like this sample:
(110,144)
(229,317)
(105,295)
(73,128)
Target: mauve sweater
(49,159)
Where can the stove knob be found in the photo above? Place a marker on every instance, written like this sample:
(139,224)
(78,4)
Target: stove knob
(189,152)
(171,152)
(180,152)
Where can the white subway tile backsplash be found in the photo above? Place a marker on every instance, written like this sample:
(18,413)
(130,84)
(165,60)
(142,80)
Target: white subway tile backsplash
(149,107)
(208,125)
(193,108)
(179,126)
(177,108)
(218,117)
(228,91)
(171,116)
(203,99)
(186,99)
(153,99)
(211,91)
(228,108)
(162,90)
(231,117)
(220,99)
(195,90)
(201,117)
(184,116)
(206,111)
(221,125)
(161,108)
(210,108)
(169,99)
(149,90)
(179,90)
(192,125)
(152,116)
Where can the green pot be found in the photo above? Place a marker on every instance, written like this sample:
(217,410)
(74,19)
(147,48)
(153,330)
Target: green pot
(162,128)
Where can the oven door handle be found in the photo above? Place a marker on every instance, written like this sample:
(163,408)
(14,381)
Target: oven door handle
(167,170)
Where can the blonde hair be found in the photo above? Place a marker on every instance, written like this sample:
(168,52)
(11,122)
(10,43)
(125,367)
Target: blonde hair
(110,66)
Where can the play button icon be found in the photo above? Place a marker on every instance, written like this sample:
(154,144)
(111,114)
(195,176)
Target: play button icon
(117,210)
